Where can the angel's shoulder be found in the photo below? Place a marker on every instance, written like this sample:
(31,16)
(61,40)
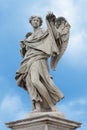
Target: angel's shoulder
(44,30)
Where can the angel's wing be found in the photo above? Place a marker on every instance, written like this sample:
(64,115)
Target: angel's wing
(63,28)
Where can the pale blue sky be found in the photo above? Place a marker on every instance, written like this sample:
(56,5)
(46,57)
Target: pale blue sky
(71,73)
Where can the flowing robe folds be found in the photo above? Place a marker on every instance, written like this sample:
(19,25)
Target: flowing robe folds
(39,48)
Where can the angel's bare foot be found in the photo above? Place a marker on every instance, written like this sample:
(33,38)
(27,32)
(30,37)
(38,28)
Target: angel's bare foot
(35,110)
(37,107)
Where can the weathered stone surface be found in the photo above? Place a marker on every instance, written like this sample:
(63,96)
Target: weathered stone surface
(33,74)
(45,121)
(40,114)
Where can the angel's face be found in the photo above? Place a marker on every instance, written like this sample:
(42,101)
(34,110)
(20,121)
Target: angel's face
(35,22)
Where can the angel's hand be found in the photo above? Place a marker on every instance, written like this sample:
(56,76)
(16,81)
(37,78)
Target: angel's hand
(50,17)
(54,54)
(22,43)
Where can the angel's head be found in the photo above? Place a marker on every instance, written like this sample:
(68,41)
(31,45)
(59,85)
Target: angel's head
(36,21)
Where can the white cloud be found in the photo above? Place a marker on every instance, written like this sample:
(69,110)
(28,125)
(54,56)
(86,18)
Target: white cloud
(66,8)
(77,43)
(74,109)
(11,103)
(81,101)
(77,50)
(13,106)
(70,112)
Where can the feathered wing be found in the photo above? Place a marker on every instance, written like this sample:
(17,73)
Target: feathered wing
(63,28)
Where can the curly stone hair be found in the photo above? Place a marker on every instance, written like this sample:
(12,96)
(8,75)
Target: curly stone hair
(32,17)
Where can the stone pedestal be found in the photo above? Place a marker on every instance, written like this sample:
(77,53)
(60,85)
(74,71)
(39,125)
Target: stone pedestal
(44,121)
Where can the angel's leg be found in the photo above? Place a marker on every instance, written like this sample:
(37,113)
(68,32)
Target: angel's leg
(35,78)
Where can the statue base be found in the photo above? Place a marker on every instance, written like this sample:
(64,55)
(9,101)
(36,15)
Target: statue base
(44,121)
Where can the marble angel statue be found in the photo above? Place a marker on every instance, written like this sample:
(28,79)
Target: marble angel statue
(33,74)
